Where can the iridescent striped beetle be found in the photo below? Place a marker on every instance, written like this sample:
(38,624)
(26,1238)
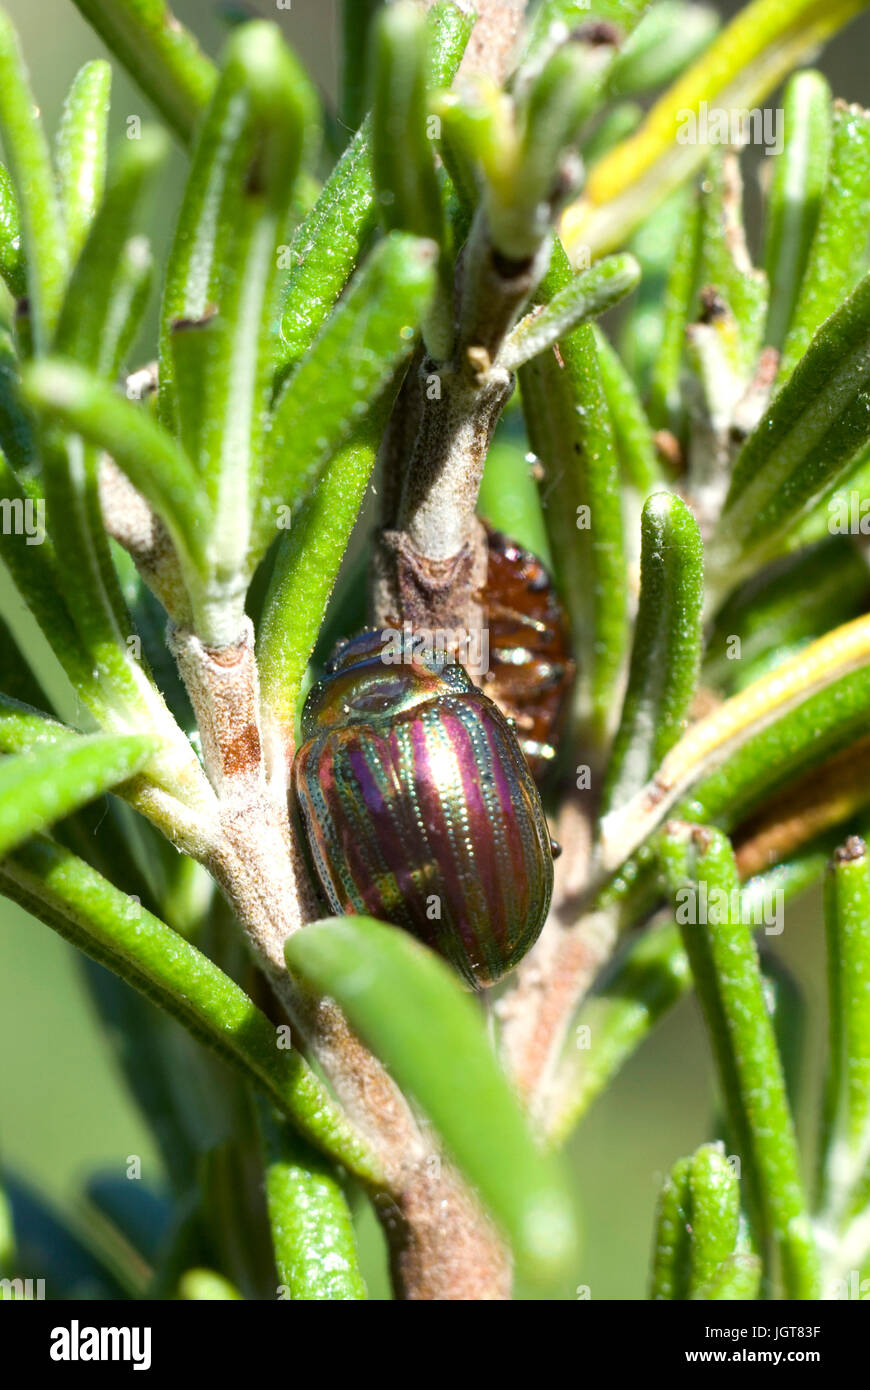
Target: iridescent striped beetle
(420,809)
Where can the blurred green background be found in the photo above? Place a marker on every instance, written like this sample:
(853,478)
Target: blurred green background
(64,1109)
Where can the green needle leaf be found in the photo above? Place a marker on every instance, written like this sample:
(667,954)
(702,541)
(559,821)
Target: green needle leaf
(837,254)
(72,898)
(204,1285)
(846,1137)
(696,1224)
(406,185)
(666,653)
(44,242)
(327,245)
(307,564)
(38,788)
(571,432)
(312,1229)
(670,1262)
(260,122)
(151,459)
(665,393)
(724,260)
(250,151)
(669,36)
(413,1013)
(590,293)
(356,17)
(12,266)
(799,177)
(93,324)
(784,607)
(746,61)
(635,441)
(23,728)
(353,359)
(162,57)
(737,1278)
(715,1207)
(80,151)
(810,434)
(529,182)
(728,980)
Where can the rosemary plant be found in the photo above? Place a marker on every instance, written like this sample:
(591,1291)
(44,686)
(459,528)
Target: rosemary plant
(306,448)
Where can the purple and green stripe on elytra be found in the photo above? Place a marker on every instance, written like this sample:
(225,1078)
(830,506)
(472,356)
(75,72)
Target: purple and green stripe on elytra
(425,799)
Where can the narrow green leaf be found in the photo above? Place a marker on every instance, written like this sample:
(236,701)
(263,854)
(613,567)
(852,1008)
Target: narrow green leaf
(23,727)
(799,177)
(646,979)
(27,153)
(29,558)
(737,1278)
(40,787)
(89,329)
(162,57)
(670,1262)
(589,294)
(389,985)
(17,679)
(312,1229)
(846,1128)
(724,262)
(783,608)
(509,498)
(225,253)
(16,429)
(787,1008)
(728,980)
(307,564)
(351,362)
(715,1212)
(356,22)
(837,255)
(806,440)
(407,189)
(406,185)
(264,97)
(571,432)
(666,651)
(635,441)
(204,1285)
(666,397)
(151,459)
(669,36)
(611,126)
(327,245)
(654,245)
(65,893)
(80,151)
(64,1255)
(541,173)
(747,60)
(645,982)
(789,746)
(7,1237)
(552,17)
(12,265)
